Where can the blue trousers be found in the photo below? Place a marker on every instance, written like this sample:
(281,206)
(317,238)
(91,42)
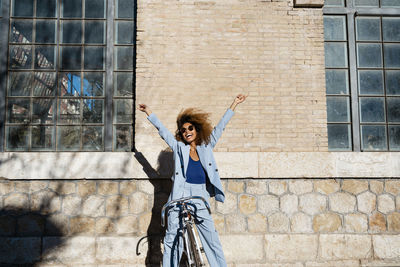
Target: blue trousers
(173,241)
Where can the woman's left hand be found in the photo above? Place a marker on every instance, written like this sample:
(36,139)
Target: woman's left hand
(240,98)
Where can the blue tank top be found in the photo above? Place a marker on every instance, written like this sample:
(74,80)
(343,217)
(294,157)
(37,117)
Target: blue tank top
(195,173)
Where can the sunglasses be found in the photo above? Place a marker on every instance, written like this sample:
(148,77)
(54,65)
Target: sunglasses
(183,129)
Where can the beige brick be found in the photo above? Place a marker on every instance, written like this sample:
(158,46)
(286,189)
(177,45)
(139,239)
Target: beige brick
(46,202)
(356,222)
(104,225)
(337,263)
(62,187)
(117,250)
(127,187)
(94,206)
(243,248)
(107,188)
(326,186)
(235,223)
(71,205)
(327,222)
(354,186)
(342,202)
(230,204)
(16,201)
(386,203)
(376,186)
(117,206)
(129,225)
(289,203)
(312,203)
(247,204)
(366,202)
(219,222)
(145,186)
(386,246)
(392,187)
(268,204)
(257,223)
(82,225)
(278,222)
(6,187)
(300,186)
(86,188)
(344,247)
(138,203)
(74,250)
(277,187)
(291,247)
(144,222)
(256,187)
(377,222)
(236,186)
(393,220)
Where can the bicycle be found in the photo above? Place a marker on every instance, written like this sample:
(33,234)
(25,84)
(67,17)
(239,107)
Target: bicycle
(192,247)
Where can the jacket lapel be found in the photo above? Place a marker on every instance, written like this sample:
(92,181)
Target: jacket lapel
(202,155)
(185,155)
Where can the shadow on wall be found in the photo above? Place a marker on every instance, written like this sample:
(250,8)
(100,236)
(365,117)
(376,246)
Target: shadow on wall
(162,189)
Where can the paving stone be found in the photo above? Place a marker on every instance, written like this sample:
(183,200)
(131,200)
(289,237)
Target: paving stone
(366,202)
(298,186)
(71,205)
(19,250)
(138,203)
(277,187)
(326,186)
(376,186)
(301,223)
(235,223)
(354,186)
(386,203)
(342,202)
(257,223)
(393,220)
(243,248)
(256,187)
(247,204)
(377,222)
(127,187)
(70,250)
(392,187)
(82,225)
(344,247)
(236,186)
(45,202)
(278,222)
(94,206)
(356,222)
(230,204)
(86,188)
(289,203)
(107,188)
(268,204)
(63,187)
(327,222)
(312,203)
(117,206)
(386,246)
(293,247)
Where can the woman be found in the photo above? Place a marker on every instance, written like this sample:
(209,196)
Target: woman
(195,174)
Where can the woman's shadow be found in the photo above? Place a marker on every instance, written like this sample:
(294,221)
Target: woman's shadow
(162,189)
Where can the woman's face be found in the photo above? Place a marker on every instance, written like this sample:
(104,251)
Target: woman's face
(188,132)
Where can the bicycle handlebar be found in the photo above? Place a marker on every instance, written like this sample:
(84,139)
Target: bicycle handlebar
(183,201)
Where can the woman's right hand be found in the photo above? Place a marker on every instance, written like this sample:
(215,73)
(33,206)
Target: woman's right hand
(144,108)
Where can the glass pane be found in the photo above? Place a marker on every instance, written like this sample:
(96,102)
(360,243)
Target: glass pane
(337,82)
(373,137)
(370,82)
(339,137)
(393,110)
(391,29)
(71,57)
(70,84)
(45,31)
(45,57)
(125,8)
(46,8)
(69,111)
(95,9)
(123,84)
(124,32)
(43,110)
(92,138)
(335,55)
(123,111)
(394,138)
(21,31)
(369,55)
(18,110)
(372,109)
(68,138)
(368,29)
(93,110)
(19,83)
(367,3)
(17,138)
(393,82)
(124,58)
(71,32)
(334,3)
(93,84)
(22,8)
(94,58)
(71,8)
(123,138)
(42,138)
(338,109)
(334,28)
(20,57)
(94,32)
(44,84)
(392,55)
(389,3)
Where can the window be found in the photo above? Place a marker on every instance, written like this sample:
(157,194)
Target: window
(59,93)
(362,61)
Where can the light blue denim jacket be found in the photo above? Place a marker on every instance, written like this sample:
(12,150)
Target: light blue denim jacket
(205,152)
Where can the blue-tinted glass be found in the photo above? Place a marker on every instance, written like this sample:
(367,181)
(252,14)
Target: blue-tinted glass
(334,3)
(335,55)
(392,55)
(45,57)
(339,137)
(124,58)
(125,8)
(70,84)
(124,32)
(394,138)
(393,109)
(45,31)
(93,110)
(94,8)
(21,31)
(393,82)
(372,109)
(373,137)
(46,8)
(71,32)
(338,109)
(370,82)
(22,8)
(93,83)
(368,29)
(94,32)
(71,58)
(72,8)
(334,28)
(367,3)
(94,58)
(369,55)
(390,3)
(391,29)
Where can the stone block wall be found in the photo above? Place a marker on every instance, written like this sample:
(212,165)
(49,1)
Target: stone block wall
(263,222)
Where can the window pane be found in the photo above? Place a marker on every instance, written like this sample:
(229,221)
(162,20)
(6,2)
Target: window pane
(123,84)
(93,84)
(45,31)
(42,110)
(123,111)
(71,32)
(92,138)
(94,8)
(338,109)
(68,138)
(393,109)
(391,29)
(71,8)
(124,58)
(69,111)
(337,82)
(124,32)
(370,82)
(93,110)
(70,84)
(125,8)
(334,3)
(17,138)
(42,138)
(372,109)
(94,58)
(46,8)
(71,58)
(18,110)
(367,3)
(389,3)
(393,82)
(22,8)
(394,138)
(392,55)
(20,57)
(368,29)
(21,31)
(369,55)
(123,138)
(373,137)
(94,32)
(45,57)
(19,83)
(44,84)
(339,137)
(335,55)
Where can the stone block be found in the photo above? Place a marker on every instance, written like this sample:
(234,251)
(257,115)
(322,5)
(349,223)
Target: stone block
(30,225)
(117,206)
(235,223)
(86,188)
(230,204)
(308,3)
(376,186)
(16,201)
(337,263)
(120,250)
(393,220)
(144,222)
(342,202)
(236,165)
(6,187)
(277,187)
(257,223)
(219,222)
(312,203)
(7,225)
(127,187)
(344,247)
(386,246)
(127,225)
(145,186)
(268,204)
(386,203)
(366,202)
(300,186)
(104,226)
(377,222)
(293,247)
(326,187)
(94,206)
(354,186)
(356,222)
(30,186)
(398,203)
(247,204)
(392,187)
(45,202)
(138,202)
(56,225)
(19,250)
(82,226)
(236,186)
(256,187)
(107,188)
(243,248)
(71,205)
(289,203)
(63,187)
(70,250)
(327,222)
(278,222)
(301,223)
